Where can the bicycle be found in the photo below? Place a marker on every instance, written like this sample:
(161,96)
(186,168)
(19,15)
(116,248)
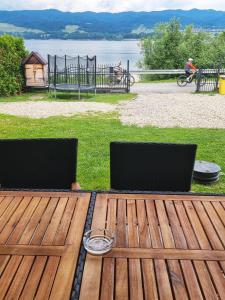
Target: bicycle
(183,80)
(121,76)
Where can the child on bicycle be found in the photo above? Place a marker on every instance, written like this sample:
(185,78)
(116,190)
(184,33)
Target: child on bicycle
(190,68)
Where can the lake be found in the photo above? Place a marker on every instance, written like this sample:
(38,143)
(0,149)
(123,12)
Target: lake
(106,51)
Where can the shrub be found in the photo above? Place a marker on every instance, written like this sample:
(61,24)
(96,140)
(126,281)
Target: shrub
(12,51)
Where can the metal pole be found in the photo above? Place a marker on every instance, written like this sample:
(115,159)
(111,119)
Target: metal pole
(199,80)
(49,75)
(95,73)
(55,74)
(128,76)
(78,61)
(65,69)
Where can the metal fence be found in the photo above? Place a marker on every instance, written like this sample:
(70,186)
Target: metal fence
(109,80)
(78,73)
(208,79)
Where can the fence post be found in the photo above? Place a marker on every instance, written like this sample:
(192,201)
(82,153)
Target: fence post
(55,71)
(95,70)
(128,76)
(65,70)
(217,78)
(199,81)
(87,70)
(49,75)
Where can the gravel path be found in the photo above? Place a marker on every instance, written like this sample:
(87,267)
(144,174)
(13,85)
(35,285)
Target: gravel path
(161,105)
(43,109)
(175,110)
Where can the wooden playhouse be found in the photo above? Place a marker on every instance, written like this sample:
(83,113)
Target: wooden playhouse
(35,70)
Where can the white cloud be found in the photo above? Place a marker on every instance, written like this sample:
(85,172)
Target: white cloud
(111,5)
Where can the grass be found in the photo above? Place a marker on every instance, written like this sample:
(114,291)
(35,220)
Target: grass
(96,132)
(44,96)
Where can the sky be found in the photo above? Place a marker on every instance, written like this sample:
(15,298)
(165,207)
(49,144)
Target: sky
(111,5)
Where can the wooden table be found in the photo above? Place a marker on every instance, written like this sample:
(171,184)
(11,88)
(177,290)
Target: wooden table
(40,237)
(167,247)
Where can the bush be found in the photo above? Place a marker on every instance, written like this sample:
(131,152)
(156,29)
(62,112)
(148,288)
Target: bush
(169,47)
(12,51)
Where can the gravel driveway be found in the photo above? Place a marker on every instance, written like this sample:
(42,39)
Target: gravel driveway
(43,109)
(161,105)
(175,110)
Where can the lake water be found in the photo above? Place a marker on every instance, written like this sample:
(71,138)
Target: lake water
(107,52)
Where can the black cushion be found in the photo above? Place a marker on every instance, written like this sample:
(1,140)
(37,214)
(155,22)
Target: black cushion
(38,163)
(151,166)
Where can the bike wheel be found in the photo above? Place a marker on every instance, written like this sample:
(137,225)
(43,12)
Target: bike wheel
(132,80)
(202,80)
(182,81)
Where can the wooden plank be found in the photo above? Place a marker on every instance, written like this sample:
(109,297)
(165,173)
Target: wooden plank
(34,278)
(217,223)
(48,278)
(167,236)
(9,212)
(3,262)
(90,287)
(31,250)
(144,239)
(5,201)
(121,281)
(149,280)
(20,278)
(55,221)
(34,221)
(60,237)
(191,280)
(111,215)
(132,224)
(189,233)
(20,227)
(166,254)
(64,278)
(153,225)
(121,238)
(8,274)
(107,284)
(165,290)
(135,280)
(177,231)
(205,280)
(14,219)
(220,211)
(43,224)
(166,197)
(208,227)
(176,279)
(197,226)
(52,194)
(78,220)
(218,277)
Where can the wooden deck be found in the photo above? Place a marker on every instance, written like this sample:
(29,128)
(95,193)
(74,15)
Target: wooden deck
(40,236)
(167,247)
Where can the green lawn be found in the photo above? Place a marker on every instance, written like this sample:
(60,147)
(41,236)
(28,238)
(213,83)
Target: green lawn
(96,132)
(45,96)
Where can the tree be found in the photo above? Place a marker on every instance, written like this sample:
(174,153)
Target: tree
(12,51)
(169,47)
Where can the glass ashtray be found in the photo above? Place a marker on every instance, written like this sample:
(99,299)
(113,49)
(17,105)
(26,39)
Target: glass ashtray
(98,241)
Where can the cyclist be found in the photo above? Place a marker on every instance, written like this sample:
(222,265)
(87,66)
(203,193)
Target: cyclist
(190,69)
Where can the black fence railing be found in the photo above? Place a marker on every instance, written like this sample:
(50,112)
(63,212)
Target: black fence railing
(208,79)
(82,73)
(110,77)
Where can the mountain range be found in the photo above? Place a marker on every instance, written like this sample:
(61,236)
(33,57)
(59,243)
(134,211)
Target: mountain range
(46,24)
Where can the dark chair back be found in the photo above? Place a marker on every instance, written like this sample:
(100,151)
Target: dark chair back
(38,163)
(151,166)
